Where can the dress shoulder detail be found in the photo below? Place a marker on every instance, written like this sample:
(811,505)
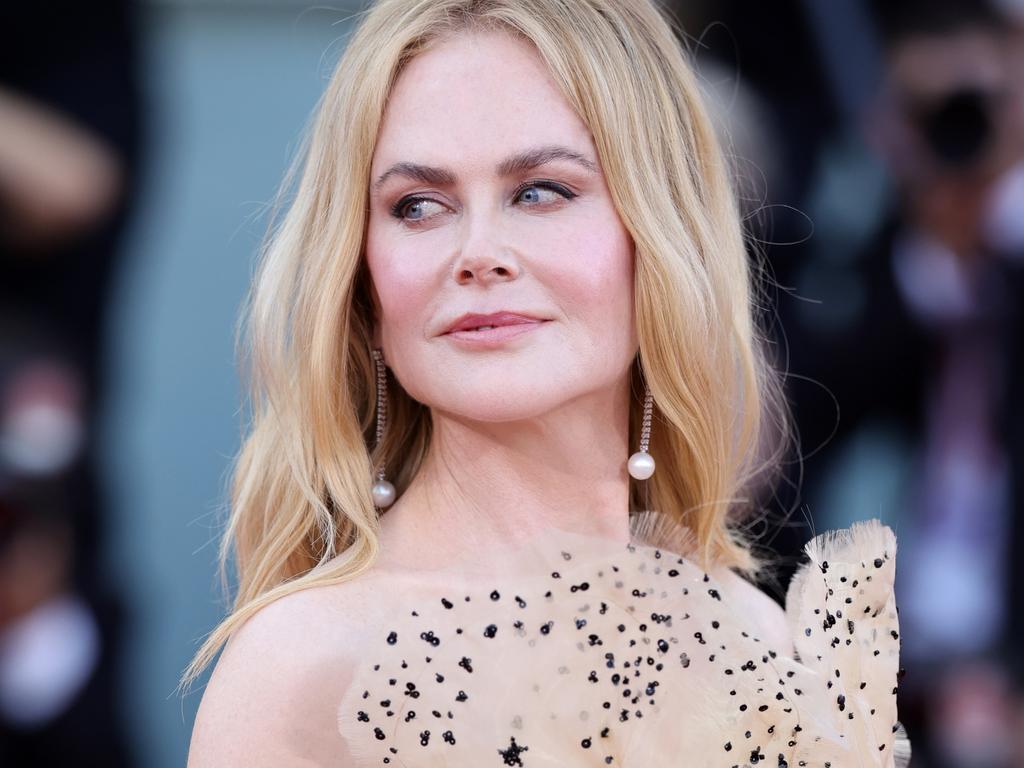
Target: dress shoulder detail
(629,654)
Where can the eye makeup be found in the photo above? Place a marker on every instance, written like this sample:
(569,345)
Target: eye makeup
(399,208)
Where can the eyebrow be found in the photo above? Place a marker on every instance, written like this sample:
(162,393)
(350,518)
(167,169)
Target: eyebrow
(520,162)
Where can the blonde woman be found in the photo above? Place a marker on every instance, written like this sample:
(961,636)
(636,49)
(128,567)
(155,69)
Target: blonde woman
(510,410)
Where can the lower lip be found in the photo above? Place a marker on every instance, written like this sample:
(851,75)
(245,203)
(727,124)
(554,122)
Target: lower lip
(493,337)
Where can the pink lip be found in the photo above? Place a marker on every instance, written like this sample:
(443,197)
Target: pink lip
(494,337)
(507,325)
(471,320)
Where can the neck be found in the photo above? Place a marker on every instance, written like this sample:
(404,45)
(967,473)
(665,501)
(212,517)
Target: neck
(486,487)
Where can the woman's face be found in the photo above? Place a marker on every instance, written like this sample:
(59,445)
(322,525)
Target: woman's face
(456,228)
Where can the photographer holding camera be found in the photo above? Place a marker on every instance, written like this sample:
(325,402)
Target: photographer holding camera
(932,360)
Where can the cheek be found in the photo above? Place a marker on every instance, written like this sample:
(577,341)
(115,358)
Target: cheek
(595,279)
(404,286)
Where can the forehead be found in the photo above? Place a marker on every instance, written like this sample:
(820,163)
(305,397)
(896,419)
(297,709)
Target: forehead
(473,97)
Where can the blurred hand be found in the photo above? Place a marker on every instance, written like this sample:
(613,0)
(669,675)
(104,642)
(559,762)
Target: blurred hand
(57,180)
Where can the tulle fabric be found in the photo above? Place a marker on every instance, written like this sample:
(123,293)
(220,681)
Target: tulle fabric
(578,650)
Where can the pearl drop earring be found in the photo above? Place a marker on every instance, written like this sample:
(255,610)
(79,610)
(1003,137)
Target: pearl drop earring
(641,463)
(383,491)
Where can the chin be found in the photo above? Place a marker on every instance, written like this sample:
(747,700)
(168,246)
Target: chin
(498,401)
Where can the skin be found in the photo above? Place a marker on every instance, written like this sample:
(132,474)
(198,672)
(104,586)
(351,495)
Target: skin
(534,433)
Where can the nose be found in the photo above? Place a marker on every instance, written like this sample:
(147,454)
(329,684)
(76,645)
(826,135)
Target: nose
(483,259)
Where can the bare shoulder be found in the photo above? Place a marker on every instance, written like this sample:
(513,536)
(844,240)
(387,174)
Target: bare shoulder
(763,610)
(273,695)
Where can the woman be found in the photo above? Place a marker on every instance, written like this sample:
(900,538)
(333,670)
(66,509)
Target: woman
(513,257)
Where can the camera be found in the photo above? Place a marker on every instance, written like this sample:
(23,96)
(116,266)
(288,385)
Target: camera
(959,127)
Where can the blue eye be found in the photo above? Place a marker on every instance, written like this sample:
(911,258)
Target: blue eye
(547,186)
(402,206)
(399,209)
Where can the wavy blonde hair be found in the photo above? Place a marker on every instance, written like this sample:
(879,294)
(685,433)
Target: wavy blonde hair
(301,510)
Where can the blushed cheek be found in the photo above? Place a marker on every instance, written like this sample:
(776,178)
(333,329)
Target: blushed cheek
(597,284)
(403,291)
(404,309)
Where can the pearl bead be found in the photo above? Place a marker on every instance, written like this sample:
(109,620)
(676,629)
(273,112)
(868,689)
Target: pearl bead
(641,465)
(383,494)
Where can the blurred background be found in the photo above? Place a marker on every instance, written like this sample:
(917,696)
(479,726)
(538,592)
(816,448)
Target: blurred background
(880,152)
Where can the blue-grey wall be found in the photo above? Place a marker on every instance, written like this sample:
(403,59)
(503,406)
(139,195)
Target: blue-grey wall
(230,89)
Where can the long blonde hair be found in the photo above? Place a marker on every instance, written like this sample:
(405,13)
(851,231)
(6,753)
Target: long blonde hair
(301,510)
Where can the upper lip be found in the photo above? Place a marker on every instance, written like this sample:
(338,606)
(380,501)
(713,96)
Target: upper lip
(472,320)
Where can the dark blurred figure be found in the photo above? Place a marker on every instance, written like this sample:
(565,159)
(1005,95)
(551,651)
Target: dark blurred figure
(933,358)
(69,159)
(904,331)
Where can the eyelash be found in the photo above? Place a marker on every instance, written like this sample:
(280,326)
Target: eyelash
(397,208)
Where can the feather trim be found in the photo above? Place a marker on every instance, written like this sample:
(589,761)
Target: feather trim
(901,747)
(842,613)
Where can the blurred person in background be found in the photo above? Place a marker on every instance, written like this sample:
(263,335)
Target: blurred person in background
(69,152)
(888,191)
(930,356)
